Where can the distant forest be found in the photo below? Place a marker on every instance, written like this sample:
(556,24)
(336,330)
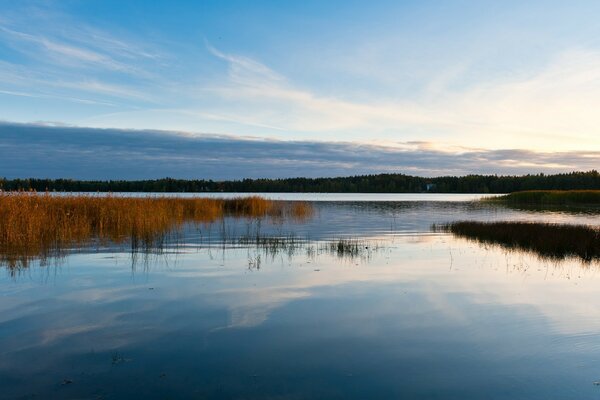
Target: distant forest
(382,183)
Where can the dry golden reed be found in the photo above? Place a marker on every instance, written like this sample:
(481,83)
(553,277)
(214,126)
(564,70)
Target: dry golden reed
(33,225)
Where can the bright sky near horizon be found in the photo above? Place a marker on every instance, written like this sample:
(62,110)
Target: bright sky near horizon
(451,77)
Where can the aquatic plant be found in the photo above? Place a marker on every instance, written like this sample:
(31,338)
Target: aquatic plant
(550,197)
(347,247)
(290,245)
(38,225)
(555,241)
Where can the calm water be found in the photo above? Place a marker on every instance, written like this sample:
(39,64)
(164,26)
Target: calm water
(344,197)
(411,314)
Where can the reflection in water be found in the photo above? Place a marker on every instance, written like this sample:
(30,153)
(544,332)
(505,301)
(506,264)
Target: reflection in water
(363,301)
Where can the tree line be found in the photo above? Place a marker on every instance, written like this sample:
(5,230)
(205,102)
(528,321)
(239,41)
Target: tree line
(381,183)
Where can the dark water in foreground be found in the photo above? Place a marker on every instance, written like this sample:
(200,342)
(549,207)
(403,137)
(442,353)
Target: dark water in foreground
(411,314)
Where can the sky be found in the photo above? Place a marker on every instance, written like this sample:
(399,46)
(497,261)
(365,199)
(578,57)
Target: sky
(236,89)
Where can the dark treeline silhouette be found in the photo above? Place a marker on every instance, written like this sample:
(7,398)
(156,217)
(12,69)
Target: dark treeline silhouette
(382,183)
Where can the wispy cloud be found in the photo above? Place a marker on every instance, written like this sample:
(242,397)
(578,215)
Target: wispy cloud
(65,59)
(62,52)
(49,96)
(245,70)
(545,109)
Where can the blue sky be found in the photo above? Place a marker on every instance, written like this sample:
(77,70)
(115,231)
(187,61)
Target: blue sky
(452,77)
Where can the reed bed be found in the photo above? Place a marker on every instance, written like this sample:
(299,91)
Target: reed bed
(553,241)
(37,225)
(348,247)
(290,245)
(550,197)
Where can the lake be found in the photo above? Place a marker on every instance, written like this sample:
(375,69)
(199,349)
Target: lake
(363,300)
(313,197)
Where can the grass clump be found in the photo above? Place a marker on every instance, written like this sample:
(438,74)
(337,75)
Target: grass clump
(550,197)
(554,241)
(39,225)
(347,247)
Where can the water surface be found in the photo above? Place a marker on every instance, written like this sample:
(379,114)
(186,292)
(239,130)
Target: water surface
(341,197)
(412,314)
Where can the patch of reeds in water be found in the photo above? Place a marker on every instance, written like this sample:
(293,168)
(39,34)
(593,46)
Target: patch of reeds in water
(550,197)
(348,247)
(554,241)
(270,247)
(40,225)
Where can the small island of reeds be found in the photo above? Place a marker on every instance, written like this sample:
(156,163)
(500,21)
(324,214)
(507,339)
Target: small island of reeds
(39,225)
(553,241)
(550,198)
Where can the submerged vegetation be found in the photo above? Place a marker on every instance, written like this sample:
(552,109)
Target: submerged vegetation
(349,249)
(39,225)
(554,241)
(550,197)
(382,183)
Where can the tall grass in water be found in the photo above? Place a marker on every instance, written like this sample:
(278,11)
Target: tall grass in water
(550,197)
(38,225)
(554,241)
(272,246)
